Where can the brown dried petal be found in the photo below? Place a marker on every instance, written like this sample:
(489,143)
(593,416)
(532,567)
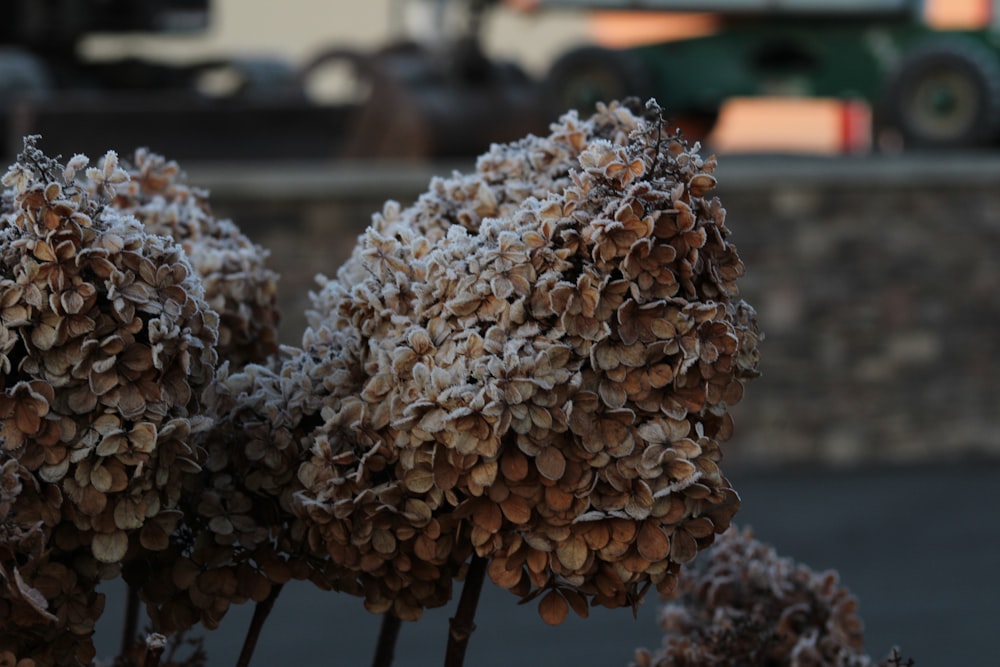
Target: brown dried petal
(572,553)
(652,542)
(683,547)
(553,608)
(551,463)
(33,597)
(109,547)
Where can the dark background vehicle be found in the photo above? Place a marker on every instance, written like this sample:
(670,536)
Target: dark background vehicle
(928,88)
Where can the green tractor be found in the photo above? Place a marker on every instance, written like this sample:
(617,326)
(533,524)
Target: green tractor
(926,87)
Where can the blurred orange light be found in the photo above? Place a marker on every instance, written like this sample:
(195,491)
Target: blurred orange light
(522,5)
(800,125)
(624,29)
(958,14)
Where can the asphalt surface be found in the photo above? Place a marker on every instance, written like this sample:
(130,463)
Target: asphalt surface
(918,545)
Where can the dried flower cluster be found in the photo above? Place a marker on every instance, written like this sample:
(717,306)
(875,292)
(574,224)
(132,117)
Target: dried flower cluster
(532,365)
(547,349)
(238,537)
(106,346)
(238,285)
(222,544)
(743,604)
(222,547)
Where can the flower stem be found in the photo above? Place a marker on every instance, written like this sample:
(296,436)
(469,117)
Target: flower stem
(131,627)
(155,644)
(260,614)
(385,650)
(463,623)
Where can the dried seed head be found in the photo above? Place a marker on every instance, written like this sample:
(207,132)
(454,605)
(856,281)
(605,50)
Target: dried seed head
(238,536)
(48,608)
(544,353)
(744,603)
(238,285)
(107,345)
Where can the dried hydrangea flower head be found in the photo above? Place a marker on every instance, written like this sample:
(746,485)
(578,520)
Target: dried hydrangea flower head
(238,285)
(106,346)
(238,537)
(48,604)
(384,543)
(549,348)
(743,604)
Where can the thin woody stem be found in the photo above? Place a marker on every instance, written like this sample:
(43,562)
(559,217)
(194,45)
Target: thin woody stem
(463,623)
(260,614)
(131,627)
(155,644)
(385,649)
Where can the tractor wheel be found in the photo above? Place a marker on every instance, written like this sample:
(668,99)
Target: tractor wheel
(944,96)
(584,76)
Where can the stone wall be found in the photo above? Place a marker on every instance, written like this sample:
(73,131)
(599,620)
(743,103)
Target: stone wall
(881,311)
(876,283)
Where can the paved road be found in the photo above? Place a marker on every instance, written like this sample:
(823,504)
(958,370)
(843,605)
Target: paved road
(917,545)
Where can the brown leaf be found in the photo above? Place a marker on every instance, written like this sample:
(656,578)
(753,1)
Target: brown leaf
(383,542)
(91,501)
(701,184)
(516,509)
(252,584)
(129,514)
(184,573)
(557,499)
(514,465)
(483,474)
(652,542)
(445,474)
(572,553)
(102,383)
(419,480)
(153,537)
(551,463)
(276,570)
(699,527)
(640,502)
(81,400)
(553,608)
(487,516)
(417,511)
(33,597)
(109,547)
(597,535)
(101,479)
(43,251)
(683,547)
(111,444)
(577,601)
(502,576)
(622,531)
(679,469)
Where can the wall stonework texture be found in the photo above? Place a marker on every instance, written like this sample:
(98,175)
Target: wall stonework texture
(879,298)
